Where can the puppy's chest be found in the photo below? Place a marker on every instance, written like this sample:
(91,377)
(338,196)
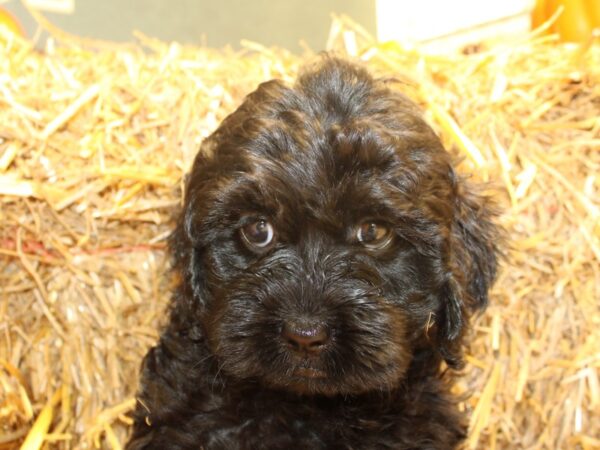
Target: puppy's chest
(254,424)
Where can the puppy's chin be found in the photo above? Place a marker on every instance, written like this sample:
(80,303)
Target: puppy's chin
(312,381)
(311,386)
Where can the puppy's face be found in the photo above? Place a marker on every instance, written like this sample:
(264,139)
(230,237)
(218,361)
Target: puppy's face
(325,241)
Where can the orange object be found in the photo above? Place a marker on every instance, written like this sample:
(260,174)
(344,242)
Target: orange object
(594,11)
(576,22)
(539,14)
(8,20)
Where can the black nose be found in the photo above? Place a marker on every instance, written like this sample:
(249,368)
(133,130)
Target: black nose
(305,339)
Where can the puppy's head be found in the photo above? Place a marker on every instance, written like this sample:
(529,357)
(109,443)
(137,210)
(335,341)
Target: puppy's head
(325,238)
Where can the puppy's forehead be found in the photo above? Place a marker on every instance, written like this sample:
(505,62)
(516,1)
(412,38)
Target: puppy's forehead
(337,139)
(319,158)
(334,178)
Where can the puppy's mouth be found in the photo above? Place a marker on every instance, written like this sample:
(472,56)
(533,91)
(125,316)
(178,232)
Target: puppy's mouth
(309,372)
(306,380)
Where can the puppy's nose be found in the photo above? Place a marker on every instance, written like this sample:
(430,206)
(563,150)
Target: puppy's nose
(305,339)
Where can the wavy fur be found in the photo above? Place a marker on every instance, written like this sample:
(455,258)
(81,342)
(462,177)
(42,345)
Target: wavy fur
(316,160)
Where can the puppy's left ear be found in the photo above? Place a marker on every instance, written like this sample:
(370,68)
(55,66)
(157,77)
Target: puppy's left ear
(473,261)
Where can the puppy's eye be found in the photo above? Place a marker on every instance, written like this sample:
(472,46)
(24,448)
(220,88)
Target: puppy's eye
(258,234)
(374,235)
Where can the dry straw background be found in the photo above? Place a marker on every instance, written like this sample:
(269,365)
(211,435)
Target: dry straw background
(95,139)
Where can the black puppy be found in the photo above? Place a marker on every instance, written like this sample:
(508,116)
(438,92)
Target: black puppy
(329,259)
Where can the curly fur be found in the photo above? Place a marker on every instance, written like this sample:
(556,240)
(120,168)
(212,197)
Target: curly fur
(318,159)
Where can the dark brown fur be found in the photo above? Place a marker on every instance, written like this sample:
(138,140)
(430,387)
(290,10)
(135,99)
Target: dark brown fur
(317,160)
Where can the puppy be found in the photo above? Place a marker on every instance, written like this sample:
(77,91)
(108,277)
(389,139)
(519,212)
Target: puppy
(329,259)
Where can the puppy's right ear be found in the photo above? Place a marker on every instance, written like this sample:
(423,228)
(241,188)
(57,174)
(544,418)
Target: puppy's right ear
(185,247)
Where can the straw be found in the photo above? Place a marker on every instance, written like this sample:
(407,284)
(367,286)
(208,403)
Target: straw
(95,139)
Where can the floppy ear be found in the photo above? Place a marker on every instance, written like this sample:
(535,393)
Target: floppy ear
(186,257)
(184,244)
(472,260)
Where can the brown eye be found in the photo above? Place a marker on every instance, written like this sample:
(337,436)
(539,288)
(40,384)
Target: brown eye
(258,234)
(374,235)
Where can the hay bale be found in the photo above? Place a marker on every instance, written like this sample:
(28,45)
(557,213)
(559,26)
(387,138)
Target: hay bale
(95,140)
